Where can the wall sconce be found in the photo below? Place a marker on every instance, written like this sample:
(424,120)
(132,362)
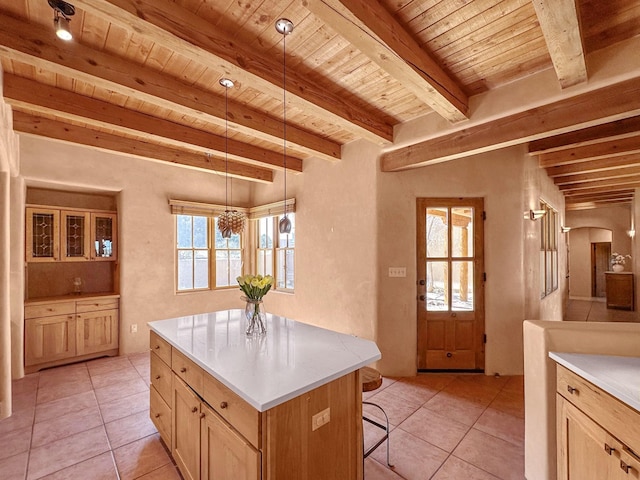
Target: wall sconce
(534,214)
(61,13)
(564,229)
(631,233)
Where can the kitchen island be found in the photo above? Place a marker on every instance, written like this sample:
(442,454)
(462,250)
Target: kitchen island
(287,405)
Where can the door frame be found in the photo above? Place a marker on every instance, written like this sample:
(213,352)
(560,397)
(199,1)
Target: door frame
(479,337)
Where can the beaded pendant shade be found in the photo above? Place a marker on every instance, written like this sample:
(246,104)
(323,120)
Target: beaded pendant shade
(231,221)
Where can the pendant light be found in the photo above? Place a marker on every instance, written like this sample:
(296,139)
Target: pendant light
(284,26)
(231,221)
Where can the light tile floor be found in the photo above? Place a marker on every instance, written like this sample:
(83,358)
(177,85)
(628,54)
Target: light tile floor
(596,311)
(90,421)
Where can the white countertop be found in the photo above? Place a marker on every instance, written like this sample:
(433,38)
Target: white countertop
(291,359)
(618,376)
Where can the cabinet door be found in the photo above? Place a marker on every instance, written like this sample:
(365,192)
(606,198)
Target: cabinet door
(226,454)
(42,235)
(585,450)
(104,236)
(49,338)
(75,238)
(185,427)
(97,331)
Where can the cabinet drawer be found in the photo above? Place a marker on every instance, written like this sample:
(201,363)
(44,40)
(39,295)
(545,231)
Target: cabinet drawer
(161,377)
(613,415)
(242,416)
(160,414)
(49,309)
(188,371)
(160,347)
(96,304)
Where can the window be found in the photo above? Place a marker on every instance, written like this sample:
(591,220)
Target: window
(275,251)
(194,251)
(548,250)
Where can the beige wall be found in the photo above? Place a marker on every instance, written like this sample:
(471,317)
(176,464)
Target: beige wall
(542,337)
(580,258)
(354,222)
(146,227)
(510,183)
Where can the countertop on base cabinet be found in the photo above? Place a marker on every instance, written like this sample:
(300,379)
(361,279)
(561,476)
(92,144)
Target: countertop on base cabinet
(284,405)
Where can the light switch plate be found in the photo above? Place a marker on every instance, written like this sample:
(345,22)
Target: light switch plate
(398,272)
(320,419)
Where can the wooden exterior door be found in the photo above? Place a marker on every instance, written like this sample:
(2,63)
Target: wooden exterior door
(600,257)
(450,266)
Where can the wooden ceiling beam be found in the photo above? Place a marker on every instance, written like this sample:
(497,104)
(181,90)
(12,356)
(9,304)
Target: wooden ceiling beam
(613,148)
(596,204)
(609,194)
(613,102)
(174,27)
(595,198)
(560,24)
(627,127)
(28,43)
(601,175)
(29,95)
(601,165)
(44,127)
(631,181)
(397,53)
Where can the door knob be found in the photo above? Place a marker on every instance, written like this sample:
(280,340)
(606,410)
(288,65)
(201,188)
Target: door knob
(421,282)
(422,298)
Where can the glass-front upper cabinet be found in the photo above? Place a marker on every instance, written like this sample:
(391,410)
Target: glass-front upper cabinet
(104,236)
(42,235)
(54,235)
(76,240)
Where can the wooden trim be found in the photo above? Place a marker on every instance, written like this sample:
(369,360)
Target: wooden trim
(398,54)
(614,102)
(184,31)
(184,207)
(24,94)
(560,24)
(81,63)
(45,127)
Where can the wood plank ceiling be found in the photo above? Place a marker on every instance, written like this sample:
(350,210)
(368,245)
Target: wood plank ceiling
(142,77)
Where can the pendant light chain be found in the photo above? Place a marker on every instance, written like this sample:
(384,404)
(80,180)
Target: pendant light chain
(285,27)
(284,116)
(226,148)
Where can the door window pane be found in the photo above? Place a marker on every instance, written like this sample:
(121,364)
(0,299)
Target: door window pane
(437,286)
(437,232)
(462,286)
(462,232)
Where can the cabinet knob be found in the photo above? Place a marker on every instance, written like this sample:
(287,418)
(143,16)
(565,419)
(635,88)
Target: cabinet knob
(157,415)
(571,389)
(449,355)
(609,449)
(223,405)
(157,347)
(183,369)
(194,409)
(157,377)
(625,467)
(202,416)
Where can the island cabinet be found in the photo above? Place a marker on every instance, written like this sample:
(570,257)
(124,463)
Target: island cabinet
(598,435)
(244,428)
(68,329)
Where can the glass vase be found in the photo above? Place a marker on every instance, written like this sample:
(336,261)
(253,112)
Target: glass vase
(256,317)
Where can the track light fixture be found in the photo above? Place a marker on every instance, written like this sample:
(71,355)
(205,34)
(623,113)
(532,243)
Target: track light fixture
(61,13)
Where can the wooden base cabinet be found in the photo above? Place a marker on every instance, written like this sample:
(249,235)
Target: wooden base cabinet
(216,435)
(62,331)
(598,436)
(620,290)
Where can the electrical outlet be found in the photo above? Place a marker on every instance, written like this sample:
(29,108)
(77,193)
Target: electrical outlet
(398,272)
(134,328)
(320,419)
